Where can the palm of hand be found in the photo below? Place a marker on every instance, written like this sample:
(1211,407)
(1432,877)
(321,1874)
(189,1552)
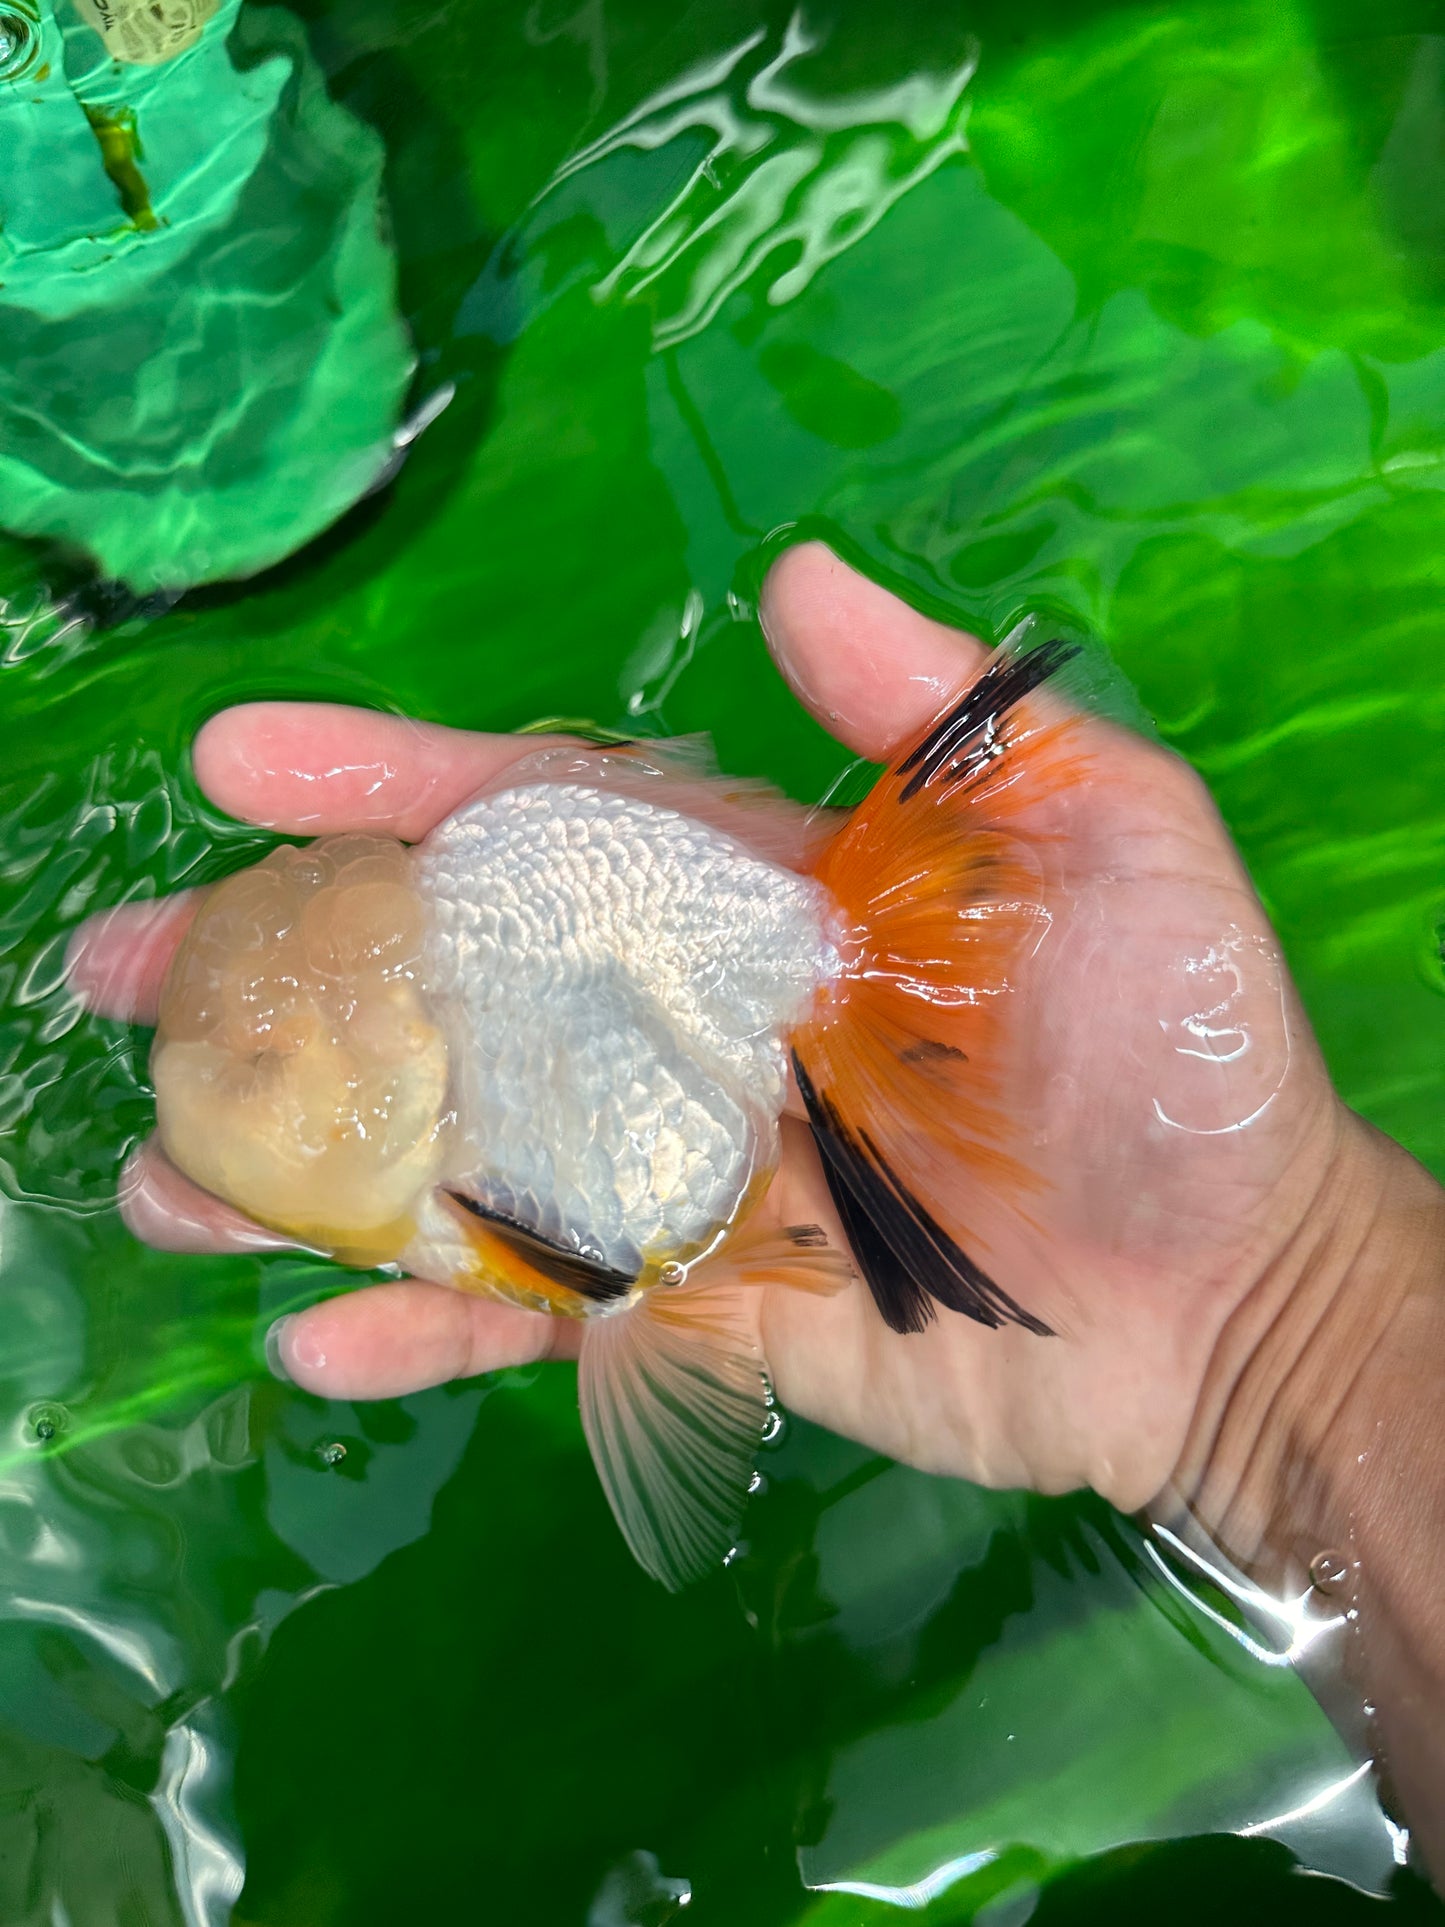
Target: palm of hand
(1159,1080)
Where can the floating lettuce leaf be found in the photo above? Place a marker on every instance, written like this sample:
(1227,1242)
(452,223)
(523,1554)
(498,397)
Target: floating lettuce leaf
(203,360)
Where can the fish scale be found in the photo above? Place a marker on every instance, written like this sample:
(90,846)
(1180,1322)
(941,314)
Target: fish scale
(620,978)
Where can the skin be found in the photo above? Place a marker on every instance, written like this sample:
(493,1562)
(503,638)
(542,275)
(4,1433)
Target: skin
(1241,1272)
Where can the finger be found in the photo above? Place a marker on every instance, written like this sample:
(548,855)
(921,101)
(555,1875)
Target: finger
(311,768)
(388,1340)
(871,669)
(163,1208)
(117,961)
(377,1343)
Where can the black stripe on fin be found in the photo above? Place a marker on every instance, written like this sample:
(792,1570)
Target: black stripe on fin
(964,740)
(806,1237)
(563,1265)
(903,1251)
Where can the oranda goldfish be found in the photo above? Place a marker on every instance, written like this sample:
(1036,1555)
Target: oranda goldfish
(543,1055)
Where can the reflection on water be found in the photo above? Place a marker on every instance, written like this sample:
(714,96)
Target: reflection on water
(784,173)
(1164,1716)
(1130,316)
(750,169)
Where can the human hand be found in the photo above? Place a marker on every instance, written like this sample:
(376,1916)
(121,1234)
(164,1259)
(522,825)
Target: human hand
(1157,1073)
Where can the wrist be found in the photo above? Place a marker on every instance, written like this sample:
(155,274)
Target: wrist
(1316,1462)
(1344,1326)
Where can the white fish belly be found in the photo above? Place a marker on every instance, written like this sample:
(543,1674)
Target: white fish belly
(620,980)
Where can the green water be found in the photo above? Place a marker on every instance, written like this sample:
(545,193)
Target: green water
(1140,321)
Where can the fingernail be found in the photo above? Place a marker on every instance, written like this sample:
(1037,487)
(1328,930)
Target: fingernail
(275,1354)
(293,1353)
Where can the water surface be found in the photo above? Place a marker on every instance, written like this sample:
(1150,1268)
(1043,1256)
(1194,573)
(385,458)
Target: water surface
(1131,314)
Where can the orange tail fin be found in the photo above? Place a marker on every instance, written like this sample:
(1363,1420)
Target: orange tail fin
(940,871)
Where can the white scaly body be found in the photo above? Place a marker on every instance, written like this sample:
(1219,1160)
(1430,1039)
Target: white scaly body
(617,980)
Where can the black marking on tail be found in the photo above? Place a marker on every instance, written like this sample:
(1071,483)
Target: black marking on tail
(969,736)
(576,1270)
(905,1254)
(932,1050)
(806,1237)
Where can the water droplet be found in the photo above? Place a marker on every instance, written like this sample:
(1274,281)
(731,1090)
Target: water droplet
(671,1273)
(332,1453)
(1328,1570)
(756,1483)
(773,1428)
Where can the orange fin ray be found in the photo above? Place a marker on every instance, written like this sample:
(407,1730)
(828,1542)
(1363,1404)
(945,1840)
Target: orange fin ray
(796,1255)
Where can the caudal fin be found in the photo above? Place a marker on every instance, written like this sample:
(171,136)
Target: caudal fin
(941,872)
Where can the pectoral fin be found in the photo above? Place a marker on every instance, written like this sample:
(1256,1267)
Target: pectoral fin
(674,1406)
(539,1261)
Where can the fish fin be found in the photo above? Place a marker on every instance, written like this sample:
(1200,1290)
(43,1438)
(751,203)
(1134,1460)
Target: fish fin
(907,1256)
(943,875)
(523,1250)
(674,1406)
(796,1255)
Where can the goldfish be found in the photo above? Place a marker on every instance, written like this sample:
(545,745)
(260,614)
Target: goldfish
(543,1055)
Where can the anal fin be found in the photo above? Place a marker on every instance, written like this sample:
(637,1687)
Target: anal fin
(674,1406)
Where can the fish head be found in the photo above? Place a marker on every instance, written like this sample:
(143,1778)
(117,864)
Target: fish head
(299,1070)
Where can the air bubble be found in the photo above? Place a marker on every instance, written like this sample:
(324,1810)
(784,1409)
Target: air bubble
(17,38)
(47,1422)
(756,1483)
(332,1453)
(773,1427)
